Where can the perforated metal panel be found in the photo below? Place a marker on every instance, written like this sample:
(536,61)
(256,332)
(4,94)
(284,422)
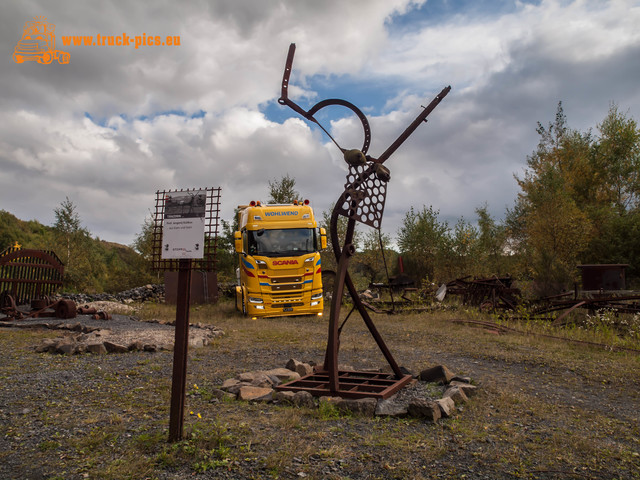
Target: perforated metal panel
(364,196)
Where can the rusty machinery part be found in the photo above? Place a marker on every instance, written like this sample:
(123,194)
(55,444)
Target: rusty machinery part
(87,310)
(39,303)
(65,309)
(29,274)
(101,315)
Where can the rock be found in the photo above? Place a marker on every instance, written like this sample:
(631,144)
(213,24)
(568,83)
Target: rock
(248,392)
(284,396)
(447,406)
(439,374)
(115,347)
(275,381)
(136,346)
(365,407)
(230,383)
(66,347)
(422,408)
(150,347)
(263,380)
(456,394)
(97,348)
(391,408)
(220,394)
(468,389)
(284,374)
(302,369)
(48,345)
(247,377)
(304,399)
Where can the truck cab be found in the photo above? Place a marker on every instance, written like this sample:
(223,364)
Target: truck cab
(279,266)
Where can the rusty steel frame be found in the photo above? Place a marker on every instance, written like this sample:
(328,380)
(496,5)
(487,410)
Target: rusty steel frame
(212,224)
(362,201)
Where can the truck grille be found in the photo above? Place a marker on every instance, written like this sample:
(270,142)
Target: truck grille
(291,286)
(286,279)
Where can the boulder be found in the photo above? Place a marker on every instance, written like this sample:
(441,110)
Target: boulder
(391,408)
(440,374)
(248,392)
(456,394)
(97,348)
(304,399)
(284,396)
(365,407)
(421,408)
(302,369)
(468,389)
(115,347)
(231,385)
(284,374)
(447,406)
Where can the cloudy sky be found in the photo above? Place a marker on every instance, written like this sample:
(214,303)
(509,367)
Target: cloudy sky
(117,123)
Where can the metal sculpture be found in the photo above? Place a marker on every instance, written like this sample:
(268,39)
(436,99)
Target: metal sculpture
(362,201)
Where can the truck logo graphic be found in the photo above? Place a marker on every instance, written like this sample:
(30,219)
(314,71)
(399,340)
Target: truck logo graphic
(285,262)
(38,43)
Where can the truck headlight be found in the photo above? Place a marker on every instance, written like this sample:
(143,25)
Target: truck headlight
(316,296)
(255,300)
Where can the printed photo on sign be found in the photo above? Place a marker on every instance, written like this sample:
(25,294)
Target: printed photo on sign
(185,204)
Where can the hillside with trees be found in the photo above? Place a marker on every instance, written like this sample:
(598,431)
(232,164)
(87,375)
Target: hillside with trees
(579,203)
(91,265)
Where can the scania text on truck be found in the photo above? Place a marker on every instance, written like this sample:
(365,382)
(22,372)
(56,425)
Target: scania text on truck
(279,269)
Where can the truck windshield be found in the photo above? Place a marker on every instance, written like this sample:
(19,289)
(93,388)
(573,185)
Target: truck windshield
(282,242)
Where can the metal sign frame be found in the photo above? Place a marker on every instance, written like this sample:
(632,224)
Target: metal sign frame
(212,224)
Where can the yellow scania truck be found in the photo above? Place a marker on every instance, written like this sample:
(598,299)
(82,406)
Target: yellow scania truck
(279,271)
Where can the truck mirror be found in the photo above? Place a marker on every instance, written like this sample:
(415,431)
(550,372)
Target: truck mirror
(323,238)
(237,240)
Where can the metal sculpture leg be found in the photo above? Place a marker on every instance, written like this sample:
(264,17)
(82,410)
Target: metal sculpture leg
(333,344)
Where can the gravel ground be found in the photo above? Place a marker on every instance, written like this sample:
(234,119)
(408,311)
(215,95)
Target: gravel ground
(57,411)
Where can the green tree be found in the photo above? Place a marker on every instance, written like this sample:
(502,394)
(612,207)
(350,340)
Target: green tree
(494,254)
(74,241)
(370,261)
(617,158)
(68,228)
(143,242)
(422,238)
(550,218)
(283,190)
(459,255)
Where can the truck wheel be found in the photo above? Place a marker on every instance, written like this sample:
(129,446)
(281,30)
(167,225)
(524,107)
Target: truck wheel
(63,58)
(46,58)
(17,58)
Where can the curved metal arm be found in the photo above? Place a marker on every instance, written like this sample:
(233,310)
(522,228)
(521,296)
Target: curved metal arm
(308,114)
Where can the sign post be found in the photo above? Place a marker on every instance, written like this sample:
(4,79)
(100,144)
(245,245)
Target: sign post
(180,348)
(183,240)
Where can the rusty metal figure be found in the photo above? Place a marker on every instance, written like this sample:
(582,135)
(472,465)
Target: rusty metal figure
(362,201)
